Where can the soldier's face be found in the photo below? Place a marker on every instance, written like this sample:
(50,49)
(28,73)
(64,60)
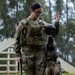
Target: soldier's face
(36,13)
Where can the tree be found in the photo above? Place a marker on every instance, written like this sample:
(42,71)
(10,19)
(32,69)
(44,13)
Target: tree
(27,5)
(59,6)
(4,16)
(73,1)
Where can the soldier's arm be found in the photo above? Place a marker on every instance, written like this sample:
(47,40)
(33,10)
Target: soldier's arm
(56,28)
(57,23)
(20,32)
(53,30)
(17,41)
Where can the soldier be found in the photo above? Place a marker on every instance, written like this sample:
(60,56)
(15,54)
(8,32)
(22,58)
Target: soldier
(31,37)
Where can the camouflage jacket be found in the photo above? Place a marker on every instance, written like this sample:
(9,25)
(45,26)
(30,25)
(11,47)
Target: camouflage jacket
(33,32)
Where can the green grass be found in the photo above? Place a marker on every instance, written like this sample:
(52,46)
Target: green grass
(24,74)
(67,74)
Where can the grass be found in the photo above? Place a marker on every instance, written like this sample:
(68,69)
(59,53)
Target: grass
(24,74)
(67,74)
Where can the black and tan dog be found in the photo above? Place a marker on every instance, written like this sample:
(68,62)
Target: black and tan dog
(53,66)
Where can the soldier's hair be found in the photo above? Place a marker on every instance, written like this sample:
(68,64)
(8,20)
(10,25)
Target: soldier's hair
(35,6)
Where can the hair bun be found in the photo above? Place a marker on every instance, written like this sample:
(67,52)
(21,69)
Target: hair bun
(35,5)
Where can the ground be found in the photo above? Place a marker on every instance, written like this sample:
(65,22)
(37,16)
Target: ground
(23,74)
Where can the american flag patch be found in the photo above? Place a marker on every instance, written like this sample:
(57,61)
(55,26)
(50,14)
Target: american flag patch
(19,26)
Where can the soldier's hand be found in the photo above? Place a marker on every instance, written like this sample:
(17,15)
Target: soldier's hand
(57,17)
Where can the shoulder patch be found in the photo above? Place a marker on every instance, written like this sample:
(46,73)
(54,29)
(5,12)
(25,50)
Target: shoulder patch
(22,24)
(19,26)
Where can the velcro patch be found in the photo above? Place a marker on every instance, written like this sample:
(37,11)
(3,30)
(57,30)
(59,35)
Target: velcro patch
(19,26)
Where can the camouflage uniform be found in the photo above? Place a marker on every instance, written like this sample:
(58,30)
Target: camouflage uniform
(31,38)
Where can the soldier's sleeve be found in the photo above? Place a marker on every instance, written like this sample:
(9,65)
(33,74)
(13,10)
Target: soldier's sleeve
(22,27)
(51,29)
(17,41)
(57,27)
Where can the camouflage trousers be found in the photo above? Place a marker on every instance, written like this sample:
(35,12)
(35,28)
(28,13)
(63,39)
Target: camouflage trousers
(34,60)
